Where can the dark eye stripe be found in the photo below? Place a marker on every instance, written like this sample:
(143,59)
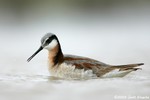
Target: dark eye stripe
(47,41)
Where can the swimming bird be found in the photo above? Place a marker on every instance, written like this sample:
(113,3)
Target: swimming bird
(71,66)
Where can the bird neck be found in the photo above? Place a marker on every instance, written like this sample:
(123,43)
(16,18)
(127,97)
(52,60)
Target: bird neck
(55,55)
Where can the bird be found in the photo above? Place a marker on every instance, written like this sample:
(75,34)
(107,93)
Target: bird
(77,67)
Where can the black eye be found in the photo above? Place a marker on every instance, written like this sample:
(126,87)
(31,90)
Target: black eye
(47,41)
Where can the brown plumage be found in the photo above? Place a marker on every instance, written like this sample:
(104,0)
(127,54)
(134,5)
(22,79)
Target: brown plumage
(74,66)
(97,67)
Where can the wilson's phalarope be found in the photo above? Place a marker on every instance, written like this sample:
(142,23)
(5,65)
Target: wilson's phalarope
(70,66)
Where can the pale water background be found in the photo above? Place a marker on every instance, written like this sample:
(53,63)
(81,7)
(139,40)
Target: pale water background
(114,32)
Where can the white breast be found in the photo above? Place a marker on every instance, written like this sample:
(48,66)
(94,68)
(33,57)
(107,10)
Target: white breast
(68,71)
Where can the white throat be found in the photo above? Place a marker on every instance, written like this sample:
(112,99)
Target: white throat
(52,45)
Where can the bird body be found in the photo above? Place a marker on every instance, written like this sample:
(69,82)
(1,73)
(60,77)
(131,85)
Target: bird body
(72,67)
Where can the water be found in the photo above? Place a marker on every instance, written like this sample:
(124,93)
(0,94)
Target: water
(16,87)
(22,80)
(111,32)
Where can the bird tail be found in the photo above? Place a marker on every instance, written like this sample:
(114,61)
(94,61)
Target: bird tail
(132,67)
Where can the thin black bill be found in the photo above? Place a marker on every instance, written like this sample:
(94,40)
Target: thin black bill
(35,53)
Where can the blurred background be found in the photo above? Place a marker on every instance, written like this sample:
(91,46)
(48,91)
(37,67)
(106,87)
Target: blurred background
(112,31)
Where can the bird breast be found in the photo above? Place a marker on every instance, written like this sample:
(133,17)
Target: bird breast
(70,72)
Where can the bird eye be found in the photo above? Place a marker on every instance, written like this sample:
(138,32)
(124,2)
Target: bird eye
(47,41)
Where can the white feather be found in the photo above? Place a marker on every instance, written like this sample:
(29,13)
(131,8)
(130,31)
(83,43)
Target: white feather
(68,71)
(116,73)
(51,45)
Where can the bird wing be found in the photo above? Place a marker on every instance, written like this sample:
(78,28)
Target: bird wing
(98,68)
